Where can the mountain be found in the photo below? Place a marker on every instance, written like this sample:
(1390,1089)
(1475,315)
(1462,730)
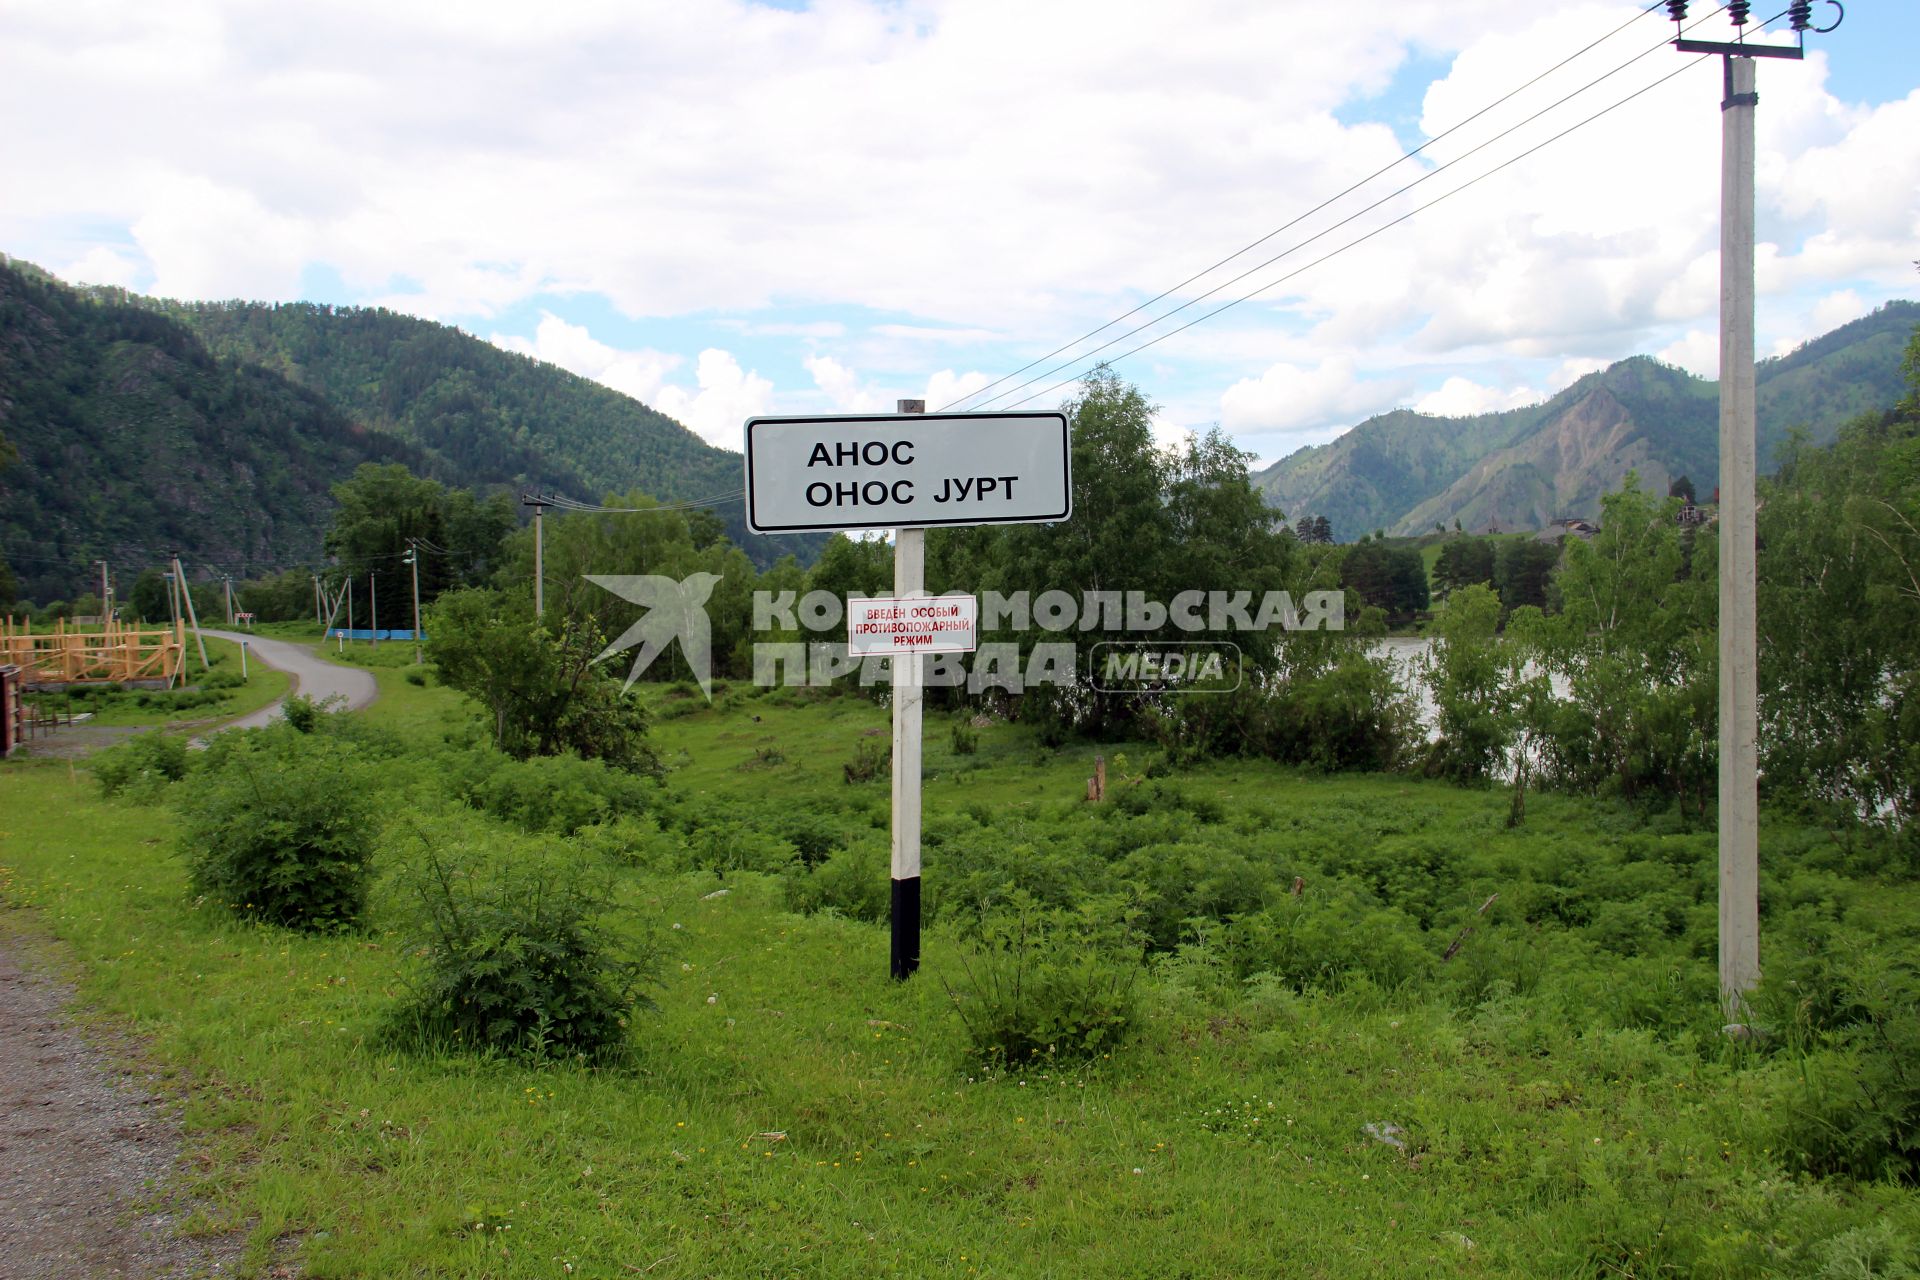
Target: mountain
(1521,469)
(135,441)
(485,415)
(146,425)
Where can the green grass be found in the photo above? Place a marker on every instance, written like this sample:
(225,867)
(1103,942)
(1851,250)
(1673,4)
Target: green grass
(1227,1139)
(123,707)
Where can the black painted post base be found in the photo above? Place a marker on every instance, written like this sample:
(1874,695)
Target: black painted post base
(906,927)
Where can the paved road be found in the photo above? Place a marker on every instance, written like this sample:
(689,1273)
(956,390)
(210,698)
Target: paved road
(313,676)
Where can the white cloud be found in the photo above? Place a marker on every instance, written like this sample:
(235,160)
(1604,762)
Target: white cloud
(102,265)
(728,396)
(1459,397)
(947,387)
(1837,308)
(1698,352)
(1287,399)
(207,240)
(842,386)
(639,374)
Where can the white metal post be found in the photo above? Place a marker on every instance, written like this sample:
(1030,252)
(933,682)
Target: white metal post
(1739,752)
(909,579)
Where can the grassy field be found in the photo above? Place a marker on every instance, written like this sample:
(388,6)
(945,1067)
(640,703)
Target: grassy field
(792,1111)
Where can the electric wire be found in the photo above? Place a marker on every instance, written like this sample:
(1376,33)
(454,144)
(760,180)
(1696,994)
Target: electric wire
(1295,221)
(1350,218)
(1358,240)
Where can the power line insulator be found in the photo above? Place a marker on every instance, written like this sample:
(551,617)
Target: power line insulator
(1800,14)
(1677,10)
(1737,10)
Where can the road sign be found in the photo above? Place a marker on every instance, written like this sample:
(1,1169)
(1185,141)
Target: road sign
(907,471)
(882,626)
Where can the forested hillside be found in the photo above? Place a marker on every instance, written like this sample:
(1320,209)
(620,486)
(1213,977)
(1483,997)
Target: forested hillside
(489,416)
(134,441)
(146,426)
(1405,472)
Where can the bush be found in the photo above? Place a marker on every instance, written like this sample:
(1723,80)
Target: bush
(871,760)
(143,767)
(517,959)
(280,828)
(1049,982)
(966,738)
(302,712)
(554,794)
(1849,1102)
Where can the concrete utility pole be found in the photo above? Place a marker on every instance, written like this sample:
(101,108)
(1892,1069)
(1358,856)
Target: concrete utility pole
(319,607)
(373,602)
(1739,621)
(1739,627)
(909,694)
(539,506)
(413,562)
(106,611)
(227,582)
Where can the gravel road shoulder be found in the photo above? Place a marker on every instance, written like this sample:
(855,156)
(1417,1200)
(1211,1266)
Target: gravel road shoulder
(89,1144)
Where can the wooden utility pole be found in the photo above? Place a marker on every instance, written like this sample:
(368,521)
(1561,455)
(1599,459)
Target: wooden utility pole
(186,598)
(909,692)
(319,607)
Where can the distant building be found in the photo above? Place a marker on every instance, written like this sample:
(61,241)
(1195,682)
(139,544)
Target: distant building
(1570,527)
(1691,516)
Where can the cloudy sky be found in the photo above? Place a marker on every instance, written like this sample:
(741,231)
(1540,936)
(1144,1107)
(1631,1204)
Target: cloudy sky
(730,208)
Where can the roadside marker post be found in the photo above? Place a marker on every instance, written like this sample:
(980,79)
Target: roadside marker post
(908,472)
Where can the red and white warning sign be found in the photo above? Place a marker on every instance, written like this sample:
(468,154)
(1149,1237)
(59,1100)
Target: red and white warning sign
(881,626)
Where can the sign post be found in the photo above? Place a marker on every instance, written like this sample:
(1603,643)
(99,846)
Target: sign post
(909,695)
(908,472)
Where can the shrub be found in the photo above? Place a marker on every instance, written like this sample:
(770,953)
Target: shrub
(1850,1101)
(870,760)
(280,828)
(1049,982)
(966,738)
(852,882)
(554,794)
(302,712)
(142,767)
(518,960)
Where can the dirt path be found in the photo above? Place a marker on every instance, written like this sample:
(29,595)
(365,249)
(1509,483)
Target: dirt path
(313,676)
(87,1148)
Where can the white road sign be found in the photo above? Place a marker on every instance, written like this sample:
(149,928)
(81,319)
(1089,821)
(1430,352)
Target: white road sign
(909,470)
(886,625)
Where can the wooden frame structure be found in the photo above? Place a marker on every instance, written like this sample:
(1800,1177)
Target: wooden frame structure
(113,655)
